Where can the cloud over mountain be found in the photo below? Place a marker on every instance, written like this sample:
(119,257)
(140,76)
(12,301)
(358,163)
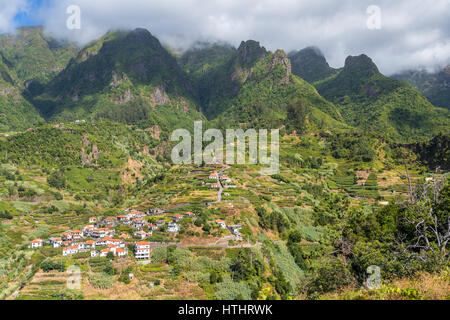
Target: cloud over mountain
(413,32)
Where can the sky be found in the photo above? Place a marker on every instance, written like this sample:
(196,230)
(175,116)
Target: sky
(397,35)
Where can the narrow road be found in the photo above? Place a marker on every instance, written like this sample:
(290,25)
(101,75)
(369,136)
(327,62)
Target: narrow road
(219,195)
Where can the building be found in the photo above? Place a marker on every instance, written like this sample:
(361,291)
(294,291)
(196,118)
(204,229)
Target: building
(189,214)
(142,250)
(98,233)
(177,217)
(214,175)
(160,223)
(142,234)
(36,243)
(121,252)
(104,252)
(155,212)
(221,224)
(92,220)
(138,223)
(94,253)
(56,242)
(77,234)
(70,250)
(89,244)
(225,179)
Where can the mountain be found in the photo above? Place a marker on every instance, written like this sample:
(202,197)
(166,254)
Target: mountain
(254,87)
(204,58)
(376,103)
(218,85)
(310,64)
(35,56)
(434,86)
(123,76)
(16,112)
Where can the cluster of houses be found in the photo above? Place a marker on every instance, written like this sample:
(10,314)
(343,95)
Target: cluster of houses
(98,236)
(221,179)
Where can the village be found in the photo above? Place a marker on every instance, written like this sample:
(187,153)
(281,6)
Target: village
(100,238)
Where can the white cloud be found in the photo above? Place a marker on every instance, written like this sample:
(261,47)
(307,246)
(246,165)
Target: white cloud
(8,10)
(413,32)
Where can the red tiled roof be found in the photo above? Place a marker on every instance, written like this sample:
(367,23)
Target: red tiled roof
(143,243)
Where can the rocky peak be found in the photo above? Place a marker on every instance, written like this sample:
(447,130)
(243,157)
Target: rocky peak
(249,52)
(361,65)
(310,64)
(280,58)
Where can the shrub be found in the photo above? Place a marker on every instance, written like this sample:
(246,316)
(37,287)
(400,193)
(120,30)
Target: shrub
(101,280)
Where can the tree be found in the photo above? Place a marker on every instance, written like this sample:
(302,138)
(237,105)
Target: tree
(57,179)
(297,112)
(425,223)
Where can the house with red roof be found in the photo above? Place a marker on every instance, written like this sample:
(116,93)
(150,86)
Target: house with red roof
(37,243)
(142,250)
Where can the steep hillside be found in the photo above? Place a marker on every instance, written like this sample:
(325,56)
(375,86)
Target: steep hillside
(35,56)
(125,76)
(16,113)
(386,106)
(310,64)
(270,90)
(434,86)
(205,58)
(254,87)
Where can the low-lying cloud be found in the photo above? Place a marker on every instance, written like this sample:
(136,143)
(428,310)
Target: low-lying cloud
(412,34)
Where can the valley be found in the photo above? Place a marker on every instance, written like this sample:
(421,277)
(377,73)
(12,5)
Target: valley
(87,180)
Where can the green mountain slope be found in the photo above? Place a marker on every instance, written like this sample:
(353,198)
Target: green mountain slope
(310,64)
(124,76)
(33,55)
(16,113)
(434,86)
(253,87)
(205,58)
(269,90)
(222,83)
(393,109)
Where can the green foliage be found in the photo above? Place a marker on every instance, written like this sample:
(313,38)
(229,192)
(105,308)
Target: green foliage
(232,290)
(57,180)
(101,280)
(382,105)
(49,265)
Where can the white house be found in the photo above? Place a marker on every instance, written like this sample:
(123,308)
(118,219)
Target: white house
(221,224)
(36,243)
(104,252)
(177,217)
(121,252)
(56,242)
(94,253)
(92,220)
(214,175)
(70,250)
(141,235)
(142,250)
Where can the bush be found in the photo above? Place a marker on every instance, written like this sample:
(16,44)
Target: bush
(230,290)
(68,294)
(101,280)
(49,265)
